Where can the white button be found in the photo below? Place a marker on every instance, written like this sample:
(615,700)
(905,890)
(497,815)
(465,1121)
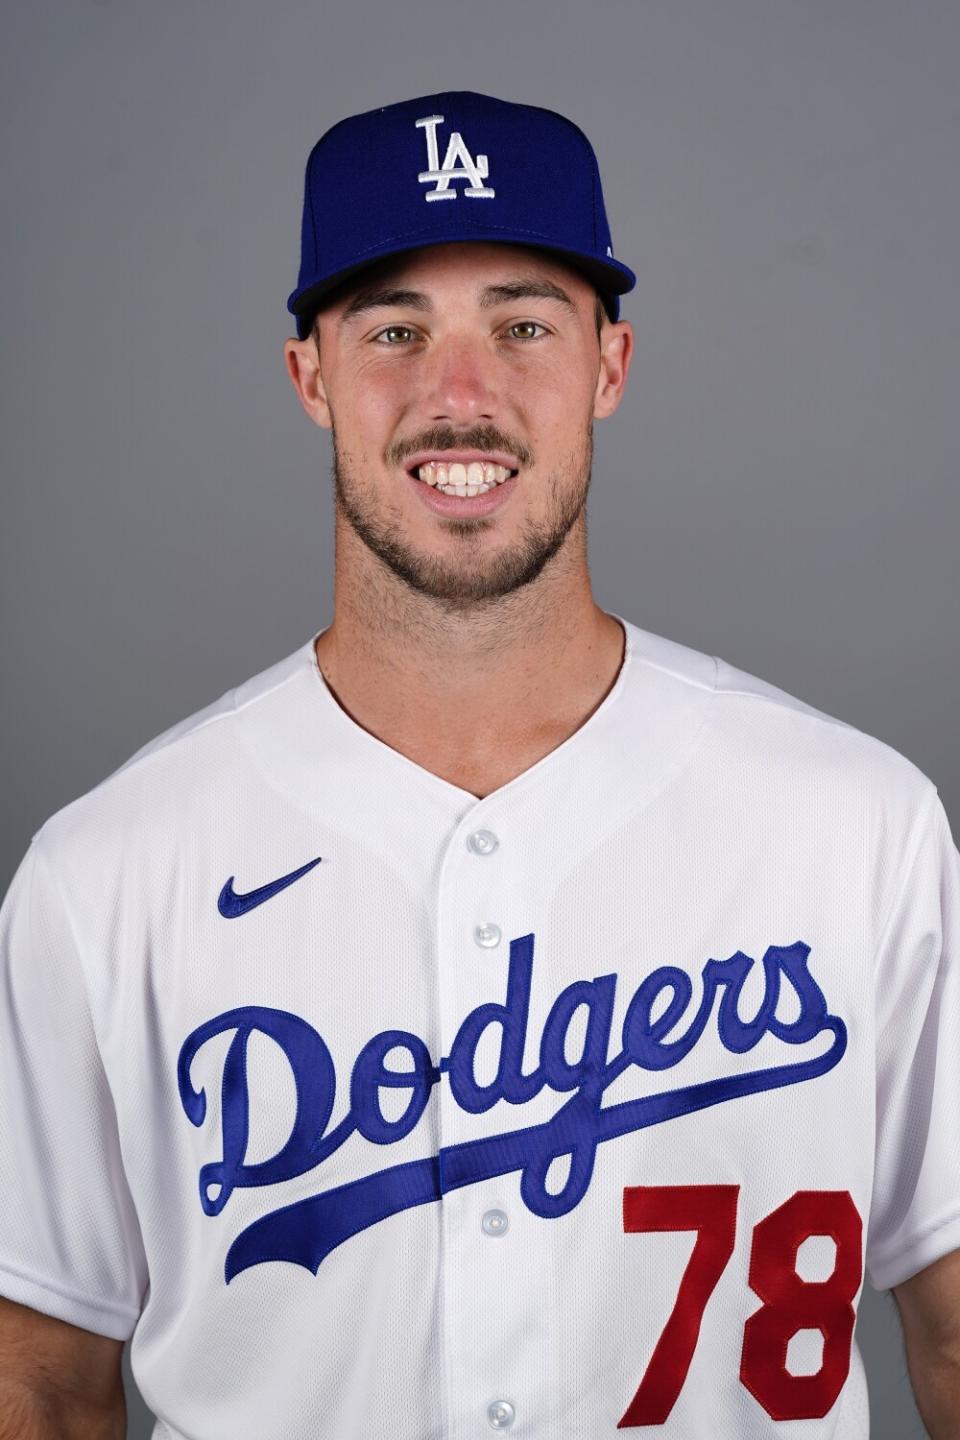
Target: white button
(495,1222)
(487,935)
(482,842)
(501,1414)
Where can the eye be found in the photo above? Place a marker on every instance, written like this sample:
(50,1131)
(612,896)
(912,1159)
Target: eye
(395,335)
(522,330)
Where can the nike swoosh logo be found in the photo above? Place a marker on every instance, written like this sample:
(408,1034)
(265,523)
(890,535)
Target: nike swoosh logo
(231,905)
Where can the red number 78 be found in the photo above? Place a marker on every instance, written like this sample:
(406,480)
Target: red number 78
(790,1303)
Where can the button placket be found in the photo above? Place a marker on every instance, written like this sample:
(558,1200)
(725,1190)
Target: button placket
(500,1413)
(479,1253)
(494,1222)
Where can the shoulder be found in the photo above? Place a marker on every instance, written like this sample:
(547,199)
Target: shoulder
(177,779)
(771,734)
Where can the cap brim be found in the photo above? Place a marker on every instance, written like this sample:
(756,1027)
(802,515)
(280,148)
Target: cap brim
(609,277)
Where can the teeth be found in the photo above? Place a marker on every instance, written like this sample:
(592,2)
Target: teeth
(476,478)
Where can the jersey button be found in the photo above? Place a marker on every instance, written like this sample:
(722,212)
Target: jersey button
(487,935)
(482,842)
(501,1414)
(495,1222)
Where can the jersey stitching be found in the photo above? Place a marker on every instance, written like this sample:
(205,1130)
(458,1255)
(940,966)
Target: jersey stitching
(799,707)
(672,775)
(85,986)
(122,1312)
(675,674)
(75,937)
(157,746)
(894,1255)
(913,852)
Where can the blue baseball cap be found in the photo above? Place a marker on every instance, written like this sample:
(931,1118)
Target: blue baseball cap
(448,167)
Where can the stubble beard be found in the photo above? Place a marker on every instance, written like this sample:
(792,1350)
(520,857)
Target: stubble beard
(472,571)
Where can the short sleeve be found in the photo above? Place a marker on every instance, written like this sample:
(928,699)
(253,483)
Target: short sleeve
(915,1211)
(70,1243)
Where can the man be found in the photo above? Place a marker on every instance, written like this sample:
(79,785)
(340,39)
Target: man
(493,1016)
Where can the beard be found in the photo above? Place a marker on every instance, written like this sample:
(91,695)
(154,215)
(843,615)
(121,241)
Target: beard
(470,570)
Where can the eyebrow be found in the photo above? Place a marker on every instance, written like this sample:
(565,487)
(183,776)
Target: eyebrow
(382,297)
(525,289)
(386,297)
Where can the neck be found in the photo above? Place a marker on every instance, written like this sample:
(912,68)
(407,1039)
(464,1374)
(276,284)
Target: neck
(518,672)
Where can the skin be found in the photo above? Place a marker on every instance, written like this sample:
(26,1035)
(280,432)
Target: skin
(929,1307)
(57,1381)
(471,645)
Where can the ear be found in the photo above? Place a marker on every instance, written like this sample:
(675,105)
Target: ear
(616,351)
(303,364)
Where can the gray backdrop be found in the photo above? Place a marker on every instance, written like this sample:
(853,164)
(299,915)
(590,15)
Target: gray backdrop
(779,488)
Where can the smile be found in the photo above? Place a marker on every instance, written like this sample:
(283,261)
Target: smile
(458,478)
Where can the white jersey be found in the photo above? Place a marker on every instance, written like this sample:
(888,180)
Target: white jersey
(365,1107)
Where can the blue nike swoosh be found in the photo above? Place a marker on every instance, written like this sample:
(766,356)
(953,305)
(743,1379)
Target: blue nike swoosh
(230,904)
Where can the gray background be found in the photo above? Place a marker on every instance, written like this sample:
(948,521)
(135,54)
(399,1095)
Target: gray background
(779,488)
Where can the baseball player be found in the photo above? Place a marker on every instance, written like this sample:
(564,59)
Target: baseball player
(493,1016)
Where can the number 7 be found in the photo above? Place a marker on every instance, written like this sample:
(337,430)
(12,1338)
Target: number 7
(711,1210)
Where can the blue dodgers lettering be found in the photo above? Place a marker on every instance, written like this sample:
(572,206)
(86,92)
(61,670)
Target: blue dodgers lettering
(308,1230)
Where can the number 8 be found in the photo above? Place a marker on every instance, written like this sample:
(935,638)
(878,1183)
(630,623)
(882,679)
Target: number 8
(793,1304)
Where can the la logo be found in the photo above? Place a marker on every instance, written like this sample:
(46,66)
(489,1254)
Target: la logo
(475,171)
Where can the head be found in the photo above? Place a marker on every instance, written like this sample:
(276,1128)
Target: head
(463,352)
(466,332)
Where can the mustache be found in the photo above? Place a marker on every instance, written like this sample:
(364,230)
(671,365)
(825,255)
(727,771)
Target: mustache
(444,437)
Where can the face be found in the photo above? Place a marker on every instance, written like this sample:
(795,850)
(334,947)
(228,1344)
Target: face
(463,365)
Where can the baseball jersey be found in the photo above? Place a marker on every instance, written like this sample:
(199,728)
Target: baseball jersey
(363,1106)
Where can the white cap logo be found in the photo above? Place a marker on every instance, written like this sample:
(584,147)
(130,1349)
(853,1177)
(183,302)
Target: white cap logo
(476,171)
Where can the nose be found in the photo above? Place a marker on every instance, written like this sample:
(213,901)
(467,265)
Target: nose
(461,383)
